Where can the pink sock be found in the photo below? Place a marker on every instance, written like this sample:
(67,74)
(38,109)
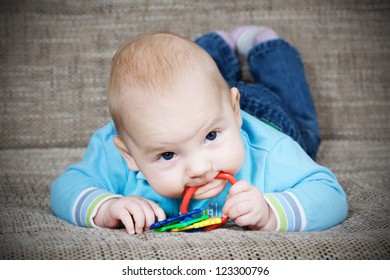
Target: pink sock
(227,38)
(237,32)
(247,36)
(266,35)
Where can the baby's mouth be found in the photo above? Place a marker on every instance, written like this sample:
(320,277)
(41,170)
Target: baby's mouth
(210,189)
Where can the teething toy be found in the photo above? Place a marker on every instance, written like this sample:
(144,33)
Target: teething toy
(201,224)
(195,220)
(171,220)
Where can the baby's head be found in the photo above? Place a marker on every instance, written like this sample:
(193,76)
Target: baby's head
(178,122)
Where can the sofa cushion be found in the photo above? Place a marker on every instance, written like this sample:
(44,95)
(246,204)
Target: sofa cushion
(56,58)
(29,230)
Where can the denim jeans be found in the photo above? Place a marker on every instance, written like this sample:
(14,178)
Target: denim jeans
(279,94)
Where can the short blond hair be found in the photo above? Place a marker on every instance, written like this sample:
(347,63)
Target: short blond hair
(152,63)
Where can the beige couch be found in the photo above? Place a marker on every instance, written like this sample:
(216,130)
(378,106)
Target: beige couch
(55,59)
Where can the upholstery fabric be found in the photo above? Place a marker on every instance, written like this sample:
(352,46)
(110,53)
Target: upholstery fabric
(55,60)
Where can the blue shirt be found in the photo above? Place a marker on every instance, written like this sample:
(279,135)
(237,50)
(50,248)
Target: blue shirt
(304,195)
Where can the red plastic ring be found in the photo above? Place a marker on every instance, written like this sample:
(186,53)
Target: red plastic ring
(189,192)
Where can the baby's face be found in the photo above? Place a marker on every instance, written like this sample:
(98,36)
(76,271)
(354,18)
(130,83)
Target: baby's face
(185,138)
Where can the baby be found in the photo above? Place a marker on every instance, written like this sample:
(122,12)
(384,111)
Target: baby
(178,121)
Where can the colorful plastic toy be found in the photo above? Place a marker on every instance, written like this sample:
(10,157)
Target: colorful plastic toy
(182,224)
(201,224)
(194,213)
(190,192)
(195,220)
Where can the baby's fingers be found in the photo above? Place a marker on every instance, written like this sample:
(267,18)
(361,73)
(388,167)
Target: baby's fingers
(151,211)
(239,187)
(131,215)
(143,213)
(157,212)
(139,210)
(236,205)
(127,220)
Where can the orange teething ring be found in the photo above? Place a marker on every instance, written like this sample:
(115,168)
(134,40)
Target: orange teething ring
(189,192)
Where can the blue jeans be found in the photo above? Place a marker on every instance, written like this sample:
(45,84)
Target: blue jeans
(279,95)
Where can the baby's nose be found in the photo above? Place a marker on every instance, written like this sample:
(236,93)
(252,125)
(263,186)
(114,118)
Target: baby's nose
(199,167)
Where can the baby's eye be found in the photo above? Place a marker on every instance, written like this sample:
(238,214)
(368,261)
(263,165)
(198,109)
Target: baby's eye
(167,156)
(211,136)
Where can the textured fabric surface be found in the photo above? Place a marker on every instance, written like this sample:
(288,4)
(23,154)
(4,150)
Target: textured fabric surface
(55,59)
(56,55)
(30,231)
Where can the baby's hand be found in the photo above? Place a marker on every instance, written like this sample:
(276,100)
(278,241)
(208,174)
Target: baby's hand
(246,205)
(134,212)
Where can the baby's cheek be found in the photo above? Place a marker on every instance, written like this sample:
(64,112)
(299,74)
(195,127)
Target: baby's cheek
(229,162)
(235,156)
(167,186)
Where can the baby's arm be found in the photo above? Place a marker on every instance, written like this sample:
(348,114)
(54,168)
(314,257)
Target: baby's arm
(299,194)
(304,195)
(87,188)
(134,212)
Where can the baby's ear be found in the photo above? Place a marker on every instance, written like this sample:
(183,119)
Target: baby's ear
(120,145)
(235,101)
